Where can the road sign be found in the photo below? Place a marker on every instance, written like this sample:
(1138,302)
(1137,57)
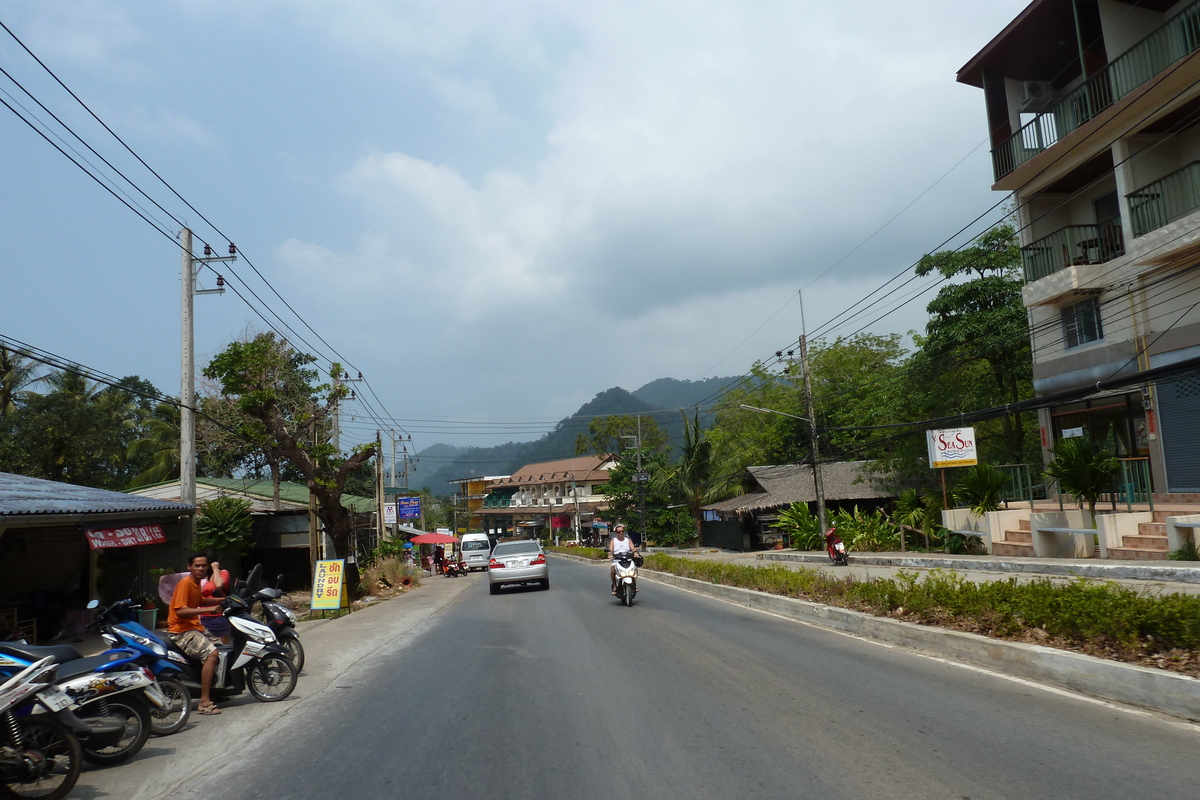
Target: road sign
(408,507)
(641,477)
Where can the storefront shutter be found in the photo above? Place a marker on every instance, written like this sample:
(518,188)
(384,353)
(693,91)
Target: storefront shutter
(1179,414)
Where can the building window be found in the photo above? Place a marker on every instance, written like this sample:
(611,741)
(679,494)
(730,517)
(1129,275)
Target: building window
(1081,322)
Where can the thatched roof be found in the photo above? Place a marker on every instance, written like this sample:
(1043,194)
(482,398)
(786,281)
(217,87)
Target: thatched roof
(784,484)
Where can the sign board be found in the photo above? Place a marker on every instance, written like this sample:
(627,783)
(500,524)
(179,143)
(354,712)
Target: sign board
(389,514)
(641,477)
(408,507)
(131,536)
(951,447)
(328,584)
(1072,433)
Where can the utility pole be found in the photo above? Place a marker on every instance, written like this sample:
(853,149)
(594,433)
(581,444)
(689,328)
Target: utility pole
(187,384)
(338,380)
(642,477)
(379,524)
(812,418)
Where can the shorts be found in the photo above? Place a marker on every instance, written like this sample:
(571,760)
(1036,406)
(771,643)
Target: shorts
(195,644)
(217,624)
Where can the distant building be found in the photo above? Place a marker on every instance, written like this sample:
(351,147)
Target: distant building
(557,495)
(1093,108)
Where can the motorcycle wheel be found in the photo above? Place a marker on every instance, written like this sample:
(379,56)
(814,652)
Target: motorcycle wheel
(59,754)
(165,721)
(136,715)
(295,652)
(271,678)
(628,595)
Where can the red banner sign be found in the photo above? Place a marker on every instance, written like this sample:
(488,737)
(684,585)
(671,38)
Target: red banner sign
(100,538)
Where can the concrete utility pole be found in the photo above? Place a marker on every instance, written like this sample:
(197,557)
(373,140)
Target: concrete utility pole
(812,418)
(336,429)
(187,384)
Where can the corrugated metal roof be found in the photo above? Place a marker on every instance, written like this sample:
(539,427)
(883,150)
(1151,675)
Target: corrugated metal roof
(294,493)
(21,496)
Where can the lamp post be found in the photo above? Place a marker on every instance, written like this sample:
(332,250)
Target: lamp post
(816,465)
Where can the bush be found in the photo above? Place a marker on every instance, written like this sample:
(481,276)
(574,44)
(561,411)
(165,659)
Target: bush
(802,528)
(225,525)
(388,573)
(594,553)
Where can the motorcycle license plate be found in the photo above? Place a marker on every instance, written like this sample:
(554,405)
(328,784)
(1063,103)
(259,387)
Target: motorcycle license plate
(54,699)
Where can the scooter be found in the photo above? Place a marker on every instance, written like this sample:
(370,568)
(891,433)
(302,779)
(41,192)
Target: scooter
(836,548)
(254,659)
(281,620)
(627,571)
(119,628)
(452,569)
(111,693)
(40,754)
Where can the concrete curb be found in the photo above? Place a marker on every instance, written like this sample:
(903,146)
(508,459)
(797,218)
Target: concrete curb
(1153,689)
(1126,570)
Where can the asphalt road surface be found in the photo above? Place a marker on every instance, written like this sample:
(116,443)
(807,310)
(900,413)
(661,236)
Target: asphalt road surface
(565,694)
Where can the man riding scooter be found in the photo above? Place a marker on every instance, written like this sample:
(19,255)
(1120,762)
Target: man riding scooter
(187,632)
(619,544)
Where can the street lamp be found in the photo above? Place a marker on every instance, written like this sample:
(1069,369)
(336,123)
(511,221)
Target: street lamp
(816,464)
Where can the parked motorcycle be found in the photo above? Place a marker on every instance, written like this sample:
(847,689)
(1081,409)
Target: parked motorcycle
(836,548)
(281,620)
(119,627)
(627,571)
(40,756)
(111,693)
(254,659)
(452,569)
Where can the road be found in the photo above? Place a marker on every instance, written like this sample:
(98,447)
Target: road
(564,694)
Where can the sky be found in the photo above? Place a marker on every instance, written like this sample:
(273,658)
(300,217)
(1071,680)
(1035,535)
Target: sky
(494,211)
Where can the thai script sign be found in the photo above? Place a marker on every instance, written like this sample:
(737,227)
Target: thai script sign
(327,584)
(408,507)
(132,536)
(951,447)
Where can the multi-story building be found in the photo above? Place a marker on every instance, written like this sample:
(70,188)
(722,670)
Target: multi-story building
(1093,108)
(548,496)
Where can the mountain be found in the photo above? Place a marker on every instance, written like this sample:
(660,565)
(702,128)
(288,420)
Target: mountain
(660,399)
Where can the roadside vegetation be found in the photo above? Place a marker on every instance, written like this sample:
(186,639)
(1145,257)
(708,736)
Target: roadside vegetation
(1099,619)
(594,553)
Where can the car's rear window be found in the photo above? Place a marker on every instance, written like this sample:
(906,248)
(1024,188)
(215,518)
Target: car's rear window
(516,548)
(476,545)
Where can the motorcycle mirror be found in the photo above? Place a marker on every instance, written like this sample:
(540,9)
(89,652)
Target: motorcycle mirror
(278,580)
(93,604)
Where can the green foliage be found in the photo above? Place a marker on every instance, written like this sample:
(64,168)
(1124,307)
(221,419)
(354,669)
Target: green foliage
(1081,614)
(1186,553)
(803,529)
(919,512)
(594,553)
(1082,472)
(981,488)
(613,434)
(225,526)
(866,532)
(388,548)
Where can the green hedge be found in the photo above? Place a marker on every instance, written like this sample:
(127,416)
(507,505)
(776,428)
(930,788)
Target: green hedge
(1091,616)
(594,553)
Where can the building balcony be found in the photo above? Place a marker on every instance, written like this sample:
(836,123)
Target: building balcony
(1072,246)
(1165,200)
(1179,37)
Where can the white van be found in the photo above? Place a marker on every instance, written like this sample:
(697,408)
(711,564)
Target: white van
(476,550)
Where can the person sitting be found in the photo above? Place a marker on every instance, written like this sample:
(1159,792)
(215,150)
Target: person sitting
(617,545)
(187,632)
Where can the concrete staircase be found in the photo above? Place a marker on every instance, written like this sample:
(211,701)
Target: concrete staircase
(1148,544)
(1020,542)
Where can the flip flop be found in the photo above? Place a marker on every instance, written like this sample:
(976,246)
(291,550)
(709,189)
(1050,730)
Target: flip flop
(209,710)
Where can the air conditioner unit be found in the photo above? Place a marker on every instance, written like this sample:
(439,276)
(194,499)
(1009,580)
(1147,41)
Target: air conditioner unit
(1036,95)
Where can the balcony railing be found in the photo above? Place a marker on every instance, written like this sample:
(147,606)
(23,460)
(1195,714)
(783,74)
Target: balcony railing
(1165,200)
(1072,245)
(1179,37)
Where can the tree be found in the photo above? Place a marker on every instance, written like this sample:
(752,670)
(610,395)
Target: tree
(692,479)
(979,328)
(158,445)
(1082,472)
(610,434)
(283,413)
(665,524)
(17,371)
(225,526)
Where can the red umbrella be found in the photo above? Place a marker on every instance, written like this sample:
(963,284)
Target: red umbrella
(433,538)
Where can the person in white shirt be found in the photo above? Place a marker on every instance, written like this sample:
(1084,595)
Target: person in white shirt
(618,544)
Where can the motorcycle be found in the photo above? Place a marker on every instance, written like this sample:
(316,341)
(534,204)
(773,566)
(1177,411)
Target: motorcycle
(627,571)
(119,627)
(40,753)
(836,548)
(254,659)
(110,693)
(281,620)
(452,569)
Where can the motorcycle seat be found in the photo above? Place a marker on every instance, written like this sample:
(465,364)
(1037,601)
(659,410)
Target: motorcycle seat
(62,653)
(82,666)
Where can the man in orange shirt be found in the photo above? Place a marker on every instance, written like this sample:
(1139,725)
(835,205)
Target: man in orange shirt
(185,629)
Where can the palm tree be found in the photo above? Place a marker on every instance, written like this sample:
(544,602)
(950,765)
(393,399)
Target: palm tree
(16,372)
(693,475)
(981,488)
(1082,472)
(158,447)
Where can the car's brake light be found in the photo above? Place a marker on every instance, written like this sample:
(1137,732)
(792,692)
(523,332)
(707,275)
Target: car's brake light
(541,559)
(494,564)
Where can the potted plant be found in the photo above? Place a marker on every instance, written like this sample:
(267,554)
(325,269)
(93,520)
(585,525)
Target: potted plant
(148,613)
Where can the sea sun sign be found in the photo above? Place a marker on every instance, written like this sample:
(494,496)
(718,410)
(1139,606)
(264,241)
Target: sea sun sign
(951,447)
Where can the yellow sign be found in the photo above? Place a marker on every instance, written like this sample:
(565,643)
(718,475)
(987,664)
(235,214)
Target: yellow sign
(328,584)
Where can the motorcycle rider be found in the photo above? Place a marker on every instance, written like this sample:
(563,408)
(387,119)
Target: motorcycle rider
(618,544)
(185,629)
